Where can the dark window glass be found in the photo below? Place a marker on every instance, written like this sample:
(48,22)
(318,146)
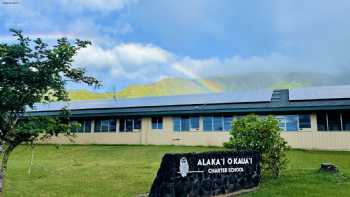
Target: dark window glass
(137,123)
(194,122)
(321,121)
(97,125)
(292,123)
(334,123)
(207,123)
(80,129)
(87,126)
(282,123)
(112,125)
(157,123)
(129,125)
(177,123)
(227,123)
(218,123)
(304,121)
(160,123)
(185,123)
(122,125)
(346,121)
(154,122)
(104,125)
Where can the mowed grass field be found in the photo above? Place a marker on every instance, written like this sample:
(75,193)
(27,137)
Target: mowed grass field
(126,171)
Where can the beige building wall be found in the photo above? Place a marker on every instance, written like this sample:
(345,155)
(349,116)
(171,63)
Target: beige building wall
(305,139)
(321,140)
(192,138)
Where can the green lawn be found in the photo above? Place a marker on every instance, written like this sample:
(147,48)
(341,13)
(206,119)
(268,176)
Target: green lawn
(129,170)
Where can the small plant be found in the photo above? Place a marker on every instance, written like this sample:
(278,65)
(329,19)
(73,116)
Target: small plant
(261,134)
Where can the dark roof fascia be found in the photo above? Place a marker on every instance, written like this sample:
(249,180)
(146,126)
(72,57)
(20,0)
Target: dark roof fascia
(205,109)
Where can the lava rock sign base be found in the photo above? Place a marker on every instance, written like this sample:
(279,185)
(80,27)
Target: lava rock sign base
(206,174)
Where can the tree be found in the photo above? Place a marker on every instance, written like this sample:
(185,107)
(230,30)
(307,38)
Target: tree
(261,134)
(31,71)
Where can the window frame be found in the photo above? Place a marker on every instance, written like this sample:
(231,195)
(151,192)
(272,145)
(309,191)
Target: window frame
(345,122)
(341,121)
(178,123)
(157,122)
(123,122)
(309,125)
(103,123)
(283,122)
(337,121)
(212,124)
(83,127)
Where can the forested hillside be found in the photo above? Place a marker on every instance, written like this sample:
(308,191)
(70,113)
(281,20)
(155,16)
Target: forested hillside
(251,81)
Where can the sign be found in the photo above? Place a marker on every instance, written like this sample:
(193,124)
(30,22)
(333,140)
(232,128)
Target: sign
(206,174)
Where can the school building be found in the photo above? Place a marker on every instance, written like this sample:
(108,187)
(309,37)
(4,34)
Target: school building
(311,118)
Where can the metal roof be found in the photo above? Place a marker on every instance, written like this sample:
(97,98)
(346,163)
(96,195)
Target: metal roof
(216,98)
(320,93)
(262,101)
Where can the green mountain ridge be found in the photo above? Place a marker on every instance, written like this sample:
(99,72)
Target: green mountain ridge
(250,81)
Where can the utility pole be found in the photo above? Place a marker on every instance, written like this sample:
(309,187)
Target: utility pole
(114,93)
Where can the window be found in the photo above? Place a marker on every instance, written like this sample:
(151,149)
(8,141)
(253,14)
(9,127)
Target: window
(105,125)
(85,126)
(334,122)
(228,123)
(346,121)
(129,124)
(288,122)
(304,121)
(186,123)
(177,123)
(208,123)
(322,121)
(292,123)
(137,123)
(217,123)
(157,123)
(194,123)
(112,125)
(282,122)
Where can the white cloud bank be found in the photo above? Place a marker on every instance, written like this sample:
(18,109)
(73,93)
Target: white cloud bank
(99,5)
(133,61)
(148,63)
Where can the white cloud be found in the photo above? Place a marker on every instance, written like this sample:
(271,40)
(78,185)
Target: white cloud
(144,63)
(199,68)
(141,54)
(128,54)
(97,57)
(99,5)
(132,61)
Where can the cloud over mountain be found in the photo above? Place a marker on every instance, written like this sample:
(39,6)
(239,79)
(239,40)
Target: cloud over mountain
(144,41)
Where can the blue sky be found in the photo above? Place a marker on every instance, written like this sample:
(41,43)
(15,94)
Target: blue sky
(137,42)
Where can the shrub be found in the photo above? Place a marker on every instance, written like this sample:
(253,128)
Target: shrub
(261,134)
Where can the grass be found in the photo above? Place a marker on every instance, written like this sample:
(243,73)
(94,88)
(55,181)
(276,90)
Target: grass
(126,171)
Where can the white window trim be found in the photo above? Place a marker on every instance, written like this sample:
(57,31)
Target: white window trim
(191,129)
(284,118)
(157,124)
(222,123)
(100,128)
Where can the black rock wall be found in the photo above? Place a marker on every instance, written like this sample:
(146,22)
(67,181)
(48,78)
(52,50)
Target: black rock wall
(206,174)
